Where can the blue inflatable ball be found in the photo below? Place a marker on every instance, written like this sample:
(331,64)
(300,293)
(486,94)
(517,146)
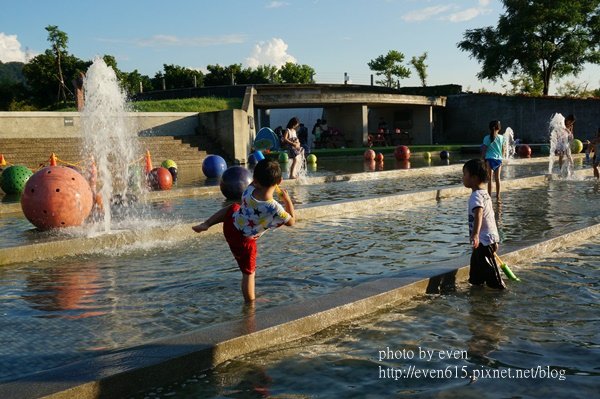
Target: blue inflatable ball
(173,171)
(234,181)
(444,155)
(213,166)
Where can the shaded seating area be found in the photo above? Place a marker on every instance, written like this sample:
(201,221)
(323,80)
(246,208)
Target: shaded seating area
(386,138)
(331,138)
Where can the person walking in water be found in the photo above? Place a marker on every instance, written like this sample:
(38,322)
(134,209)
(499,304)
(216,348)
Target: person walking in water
(493,151)
(295,150)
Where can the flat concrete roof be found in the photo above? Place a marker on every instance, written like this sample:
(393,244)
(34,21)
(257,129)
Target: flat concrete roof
(299,96)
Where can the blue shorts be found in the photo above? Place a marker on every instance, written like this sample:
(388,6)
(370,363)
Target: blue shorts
(494,163)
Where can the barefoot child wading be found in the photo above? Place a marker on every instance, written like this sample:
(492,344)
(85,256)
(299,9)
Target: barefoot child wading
(244,224)
(482,227)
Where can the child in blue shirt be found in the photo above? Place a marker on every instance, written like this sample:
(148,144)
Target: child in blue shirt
(493,151)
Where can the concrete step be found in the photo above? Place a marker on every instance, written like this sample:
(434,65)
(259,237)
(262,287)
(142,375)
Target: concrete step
(33,152)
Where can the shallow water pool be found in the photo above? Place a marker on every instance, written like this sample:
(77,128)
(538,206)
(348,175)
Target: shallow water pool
(538,339)
(63,310)
(15,229)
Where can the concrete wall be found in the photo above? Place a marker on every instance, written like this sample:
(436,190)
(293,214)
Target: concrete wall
(467,116)
(351,120)
(220,127)
(68,124)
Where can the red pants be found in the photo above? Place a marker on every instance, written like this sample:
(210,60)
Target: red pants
(243,248)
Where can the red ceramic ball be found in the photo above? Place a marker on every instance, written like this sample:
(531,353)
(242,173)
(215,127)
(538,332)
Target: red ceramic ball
(379,157)
(402,152)
(56,196)
(369,155)
(160,179)
(524,151)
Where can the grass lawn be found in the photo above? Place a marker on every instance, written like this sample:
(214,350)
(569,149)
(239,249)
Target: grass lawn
(203,104)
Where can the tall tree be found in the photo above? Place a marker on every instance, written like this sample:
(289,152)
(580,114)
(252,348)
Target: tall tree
(40,75)
(222,75)
(178,77)
(59,39)
(262,74)
(291,72)
(419,64)
(389,66)
(538,38)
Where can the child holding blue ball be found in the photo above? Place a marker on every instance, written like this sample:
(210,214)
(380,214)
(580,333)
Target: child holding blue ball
(244,223)
(483,232)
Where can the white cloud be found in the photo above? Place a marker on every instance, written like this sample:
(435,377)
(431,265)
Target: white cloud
(176,41)
(277,4)
(448,12)
(425,13)
(10,49)
(274,52)
(464,15)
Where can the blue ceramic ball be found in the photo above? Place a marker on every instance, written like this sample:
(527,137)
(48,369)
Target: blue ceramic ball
(234,181)
(213,166)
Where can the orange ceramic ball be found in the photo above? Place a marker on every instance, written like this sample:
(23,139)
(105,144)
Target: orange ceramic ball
(56,196)
(369,155)
(160,179)
(402,152)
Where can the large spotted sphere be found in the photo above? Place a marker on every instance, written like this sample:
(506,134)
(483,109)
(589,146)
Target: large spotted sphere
(56,196)
(14,178)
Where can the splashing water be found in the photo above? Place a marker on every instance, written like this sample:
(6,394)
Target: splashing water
(509,136)
(559,142)
(109,139)
(302,170)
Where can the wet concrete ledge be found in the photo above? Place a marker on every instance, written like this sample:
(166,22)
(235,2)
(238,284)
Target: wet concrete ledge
(128,371)
(15,208)
(119,239)
(85,245)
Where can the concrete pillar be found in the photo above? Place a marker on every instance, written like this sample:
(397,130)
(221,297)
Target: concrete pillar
(431,124)
(365,122)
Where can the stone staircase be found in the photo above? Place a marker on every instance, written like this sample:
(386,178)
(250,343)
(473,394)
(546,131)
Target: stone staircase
(184,150)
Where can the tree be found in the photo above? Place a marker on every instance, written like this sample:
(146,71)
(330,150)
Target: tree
(131,82)
(419,64)
(40,75)
(59,40)
(389,66)
(523,84)
(296,73)
(220,76)
(178,77)
(262,74)
(538,38)
(573,89)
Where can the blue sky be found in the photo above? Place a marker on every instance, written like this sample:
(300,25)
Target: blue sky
(331,36)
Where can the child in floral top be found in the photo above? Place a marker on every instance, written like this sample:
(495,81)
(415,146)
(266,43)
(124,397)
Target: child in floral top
(244,224)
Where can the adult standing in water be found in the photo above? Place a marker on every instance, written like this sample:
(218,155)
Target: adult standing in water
(493,151)
(295,150)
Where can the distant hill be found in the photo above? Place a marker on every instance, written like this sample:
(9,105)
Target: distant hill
(11,72)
